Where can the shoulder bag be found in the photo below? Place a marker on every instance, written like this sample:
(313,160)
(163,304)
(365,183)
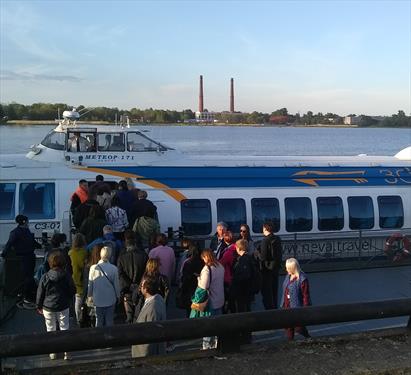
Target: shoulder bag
(102,271)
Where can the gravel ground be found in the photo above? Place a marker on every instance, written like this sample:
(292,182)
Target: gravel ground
(382,352)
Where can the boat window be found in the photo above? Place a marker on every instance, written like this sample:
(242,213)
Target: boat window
(232,212)
(7,195)
(54,140)
(330,213)
(298,215)
(37,201)
(361,211)
(391,211)
(196,216)
(265,209)
(81,141)
(111,142)
(137,142)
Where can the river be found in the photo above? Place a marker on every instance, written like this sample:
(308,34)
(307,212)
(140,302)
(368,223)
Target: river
(258,140)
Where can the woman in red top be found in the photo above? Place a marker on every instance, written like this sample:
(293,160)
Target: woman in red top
(296,293)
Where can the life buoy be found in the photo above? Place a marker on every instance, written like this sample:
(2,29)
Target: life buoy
(397,247)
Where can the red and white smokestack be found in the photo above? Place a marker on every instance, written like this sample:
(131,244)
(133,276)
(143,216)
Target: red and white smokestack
(201,97)
(232,95)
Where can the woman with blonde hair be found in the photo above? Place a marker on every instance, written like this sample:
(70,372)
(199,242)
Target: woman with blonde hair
(210,288)
(296,293)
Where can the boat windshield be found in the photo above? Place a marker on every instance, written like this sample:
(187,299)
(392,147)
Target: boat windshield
(137,142)
(54,140)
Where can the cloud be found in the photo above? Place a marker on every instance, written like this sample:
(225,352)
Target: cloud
(21,26)
(9,75)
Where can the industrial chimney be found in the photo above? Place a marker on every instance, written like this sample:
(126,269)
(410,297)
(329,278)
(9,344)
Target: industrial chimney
(201,98)
(232,96)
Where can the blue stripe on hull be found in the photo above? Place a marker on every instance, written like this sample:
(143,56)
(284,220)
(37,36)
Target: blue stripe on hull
(231,177)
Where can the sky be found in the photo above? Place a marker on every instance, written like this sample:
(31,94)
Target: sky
(323,56)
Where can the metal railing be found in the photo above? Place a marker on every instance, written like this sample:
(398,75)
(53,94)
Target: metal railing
(228,328)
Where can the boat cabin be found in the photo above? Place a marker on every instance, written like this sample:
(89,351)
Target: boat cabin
(78,144)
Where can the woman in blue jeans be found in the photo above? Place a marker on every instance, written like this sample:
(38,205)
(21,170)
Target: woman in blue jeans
(104,288)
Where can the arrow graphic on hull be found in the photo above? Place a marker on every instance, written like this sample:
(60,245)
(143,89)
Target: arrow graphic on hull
(325,173)
(314,181)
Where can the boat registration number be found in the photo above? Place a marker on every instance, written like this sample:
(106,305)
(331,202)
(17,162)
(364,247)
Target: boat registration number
(47,225)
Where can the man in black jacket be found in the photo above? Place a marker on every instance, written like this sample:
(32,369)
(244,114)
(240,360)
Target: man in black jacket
(131,265)
(82,211)
(270,258)
(142,207)
(22,244)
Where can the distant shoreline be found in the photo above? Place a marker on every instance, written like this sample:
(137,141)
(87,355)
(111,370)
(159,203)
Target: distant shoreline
(53,122)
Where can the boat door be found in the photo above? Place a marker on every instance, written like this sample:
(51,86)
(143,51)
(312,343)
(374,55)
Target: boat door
(81,144)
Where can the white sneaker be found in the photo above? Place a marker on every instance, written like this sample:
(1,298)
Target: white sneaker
(53,355)
(67,356)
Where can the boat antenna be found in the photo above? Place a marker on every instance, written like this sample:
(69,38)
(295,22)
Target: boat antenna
(88,109)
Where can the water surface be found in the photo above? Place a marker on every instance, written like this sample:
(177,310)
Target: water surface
(244,139)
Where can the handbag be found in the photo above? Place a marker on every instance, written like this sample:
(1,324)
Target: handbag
(200,306)
(84,318)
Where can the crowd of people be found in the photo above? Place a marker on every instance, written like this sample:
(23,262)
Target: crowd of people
(119,262)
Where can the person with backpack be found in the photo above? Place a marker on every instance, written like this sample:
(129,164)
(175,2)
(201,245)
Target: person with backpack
(147,228)
(109,240)
(270,254)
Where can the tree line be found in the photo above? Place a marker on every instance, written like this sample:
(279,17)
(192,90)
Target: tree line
(48,111)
